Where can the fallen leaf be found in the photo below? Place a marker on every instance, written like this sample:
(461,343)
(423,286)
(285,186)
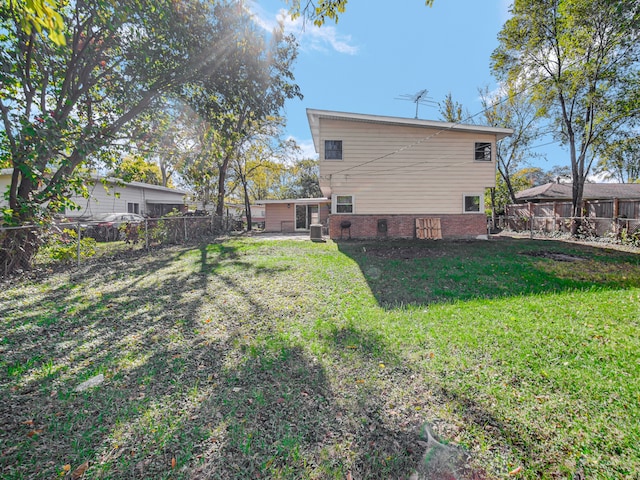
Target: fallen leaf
(66,467)
(515,471)
(35,432)
(28,422)
(359,381)
(79,472)
(173,462)
(349,477)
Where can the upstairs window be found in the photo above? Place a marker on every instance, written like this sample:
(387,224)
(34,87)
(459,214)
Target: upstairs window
(483,151)
(333,149)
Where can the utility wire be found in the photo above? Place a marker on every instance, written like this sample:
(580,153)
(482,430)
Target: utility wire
(452,126)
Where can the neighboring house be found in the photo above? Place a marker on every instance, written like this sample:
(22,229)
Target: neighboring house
(5,182)
(238,211)
(600,200)
(563,192)
(403,178)
(294,214)
(112,195)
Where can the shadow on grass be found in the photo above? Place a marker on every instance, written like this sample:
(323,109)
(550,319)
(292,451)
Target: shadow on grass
(428,272)
(189,391)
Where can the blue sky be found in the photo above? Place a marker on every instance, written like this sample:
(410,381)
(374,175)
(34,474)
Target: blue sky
(378,52)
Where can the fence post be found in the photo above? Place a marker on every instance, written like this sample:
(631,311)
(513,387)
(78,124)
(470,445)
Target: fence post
(184,223)
(78,244)
(146,234)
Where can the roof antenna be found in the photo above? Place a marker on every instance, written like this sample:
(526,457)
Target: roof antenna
(419,98)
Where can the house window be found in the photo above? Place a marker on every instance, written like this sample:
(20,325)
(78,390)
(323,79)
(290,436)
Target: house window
(471,203)
(133,207)
(483,152)
(333,149)
(343,204)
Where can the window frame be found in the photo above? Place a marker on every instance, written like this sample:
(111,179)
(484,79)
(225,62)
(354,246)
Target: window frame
(334,204)
(133,207)
(326,150)
(479,148)
(479,196)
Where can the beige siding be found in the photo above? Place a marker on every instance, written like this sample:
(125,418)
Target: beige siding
(279,217)
(395,169)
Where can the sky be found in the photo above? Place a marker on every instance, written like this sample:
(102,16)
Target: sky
(381,51)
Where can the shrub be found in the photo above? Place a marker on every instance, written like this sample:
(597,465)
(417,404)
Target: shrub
(63,246)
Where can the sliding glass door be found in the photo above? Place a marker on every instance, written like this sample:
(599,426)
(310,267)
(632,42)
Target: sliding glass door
(306,215)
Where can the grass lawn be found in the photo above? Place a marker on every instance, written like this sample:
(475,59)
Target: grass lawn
(291,359)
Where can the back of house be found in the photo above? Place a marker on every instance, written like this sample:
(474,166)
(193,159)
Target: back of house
(390,177)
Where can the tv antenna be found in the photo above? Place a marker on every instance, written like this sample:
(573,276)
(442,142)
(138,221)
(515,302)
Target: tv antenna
(419,98)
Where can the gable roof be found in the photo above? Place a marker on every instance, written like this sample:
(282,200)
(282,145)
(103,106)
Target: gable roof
(592,191)
(314,117)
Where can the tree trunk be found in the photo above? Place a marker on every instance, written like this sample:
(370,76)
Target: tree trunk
(247,204)
(18,248)
(222,178)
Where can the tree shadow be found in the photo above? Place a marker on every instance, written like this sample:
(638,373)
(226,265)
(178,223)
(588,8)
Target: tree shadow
(187,392)
(430,272)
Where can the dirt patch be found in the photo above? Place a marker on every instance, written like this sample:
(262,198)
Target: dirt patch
(557,256)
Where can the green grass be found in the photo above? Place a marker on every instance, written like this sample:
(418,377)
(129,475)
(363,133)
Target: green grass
(289,359)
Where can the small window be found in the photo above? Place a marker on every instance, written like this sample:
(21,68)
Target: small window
(333,149)
(483,152)
(471,203)
(133,207)
(344,203)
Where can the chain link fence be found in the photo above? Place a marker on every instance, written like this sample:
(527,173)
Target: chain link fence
(617,230)
(72,243)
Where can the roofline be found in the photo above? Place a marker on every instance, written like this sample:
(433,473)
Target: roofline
(314,116)
(295,200)
(98,178)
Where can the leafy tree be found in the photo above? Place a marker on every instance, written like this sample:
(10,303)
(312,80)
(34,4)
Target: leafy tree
(511,109)
(450,110)
(579,58)
(620,160)
(252,162)
(502,195)
(41,15)
(323,10)
(168,136)
(61,107)
(136,169)
(303,180)
(245,92)
(199,165)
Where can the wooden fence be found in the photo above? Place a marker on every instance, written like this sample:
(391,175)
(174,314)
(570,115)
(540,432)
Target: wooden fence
(606,218)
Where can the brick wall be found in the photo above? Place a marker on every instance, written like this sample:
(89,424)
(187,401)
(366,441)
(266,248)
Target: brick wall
(404,226)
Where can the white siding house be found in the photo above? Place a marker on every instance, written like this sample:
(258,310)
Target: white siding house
(112,195)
